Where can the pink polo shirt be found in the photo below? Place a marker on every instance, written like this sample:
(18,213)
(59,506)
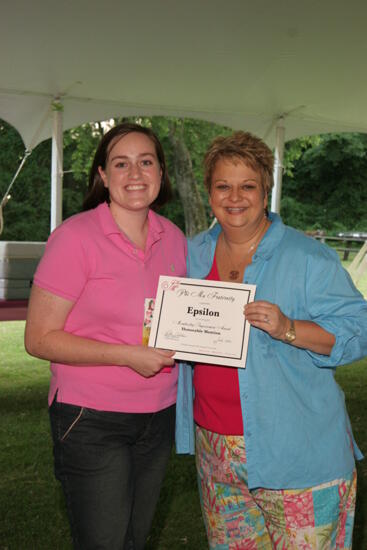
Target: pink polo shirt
(91,263)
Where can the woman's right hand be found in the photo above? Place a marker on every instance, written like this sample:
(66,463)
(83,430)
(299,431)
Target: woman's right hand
(149,361)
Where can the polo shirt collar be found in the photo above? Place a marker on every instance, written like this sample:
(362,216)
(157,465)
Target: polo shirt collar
(110,227)
(108,224)
(155,223)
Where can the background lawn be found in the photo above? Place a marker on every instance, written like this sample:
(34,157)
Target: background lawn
(32,514)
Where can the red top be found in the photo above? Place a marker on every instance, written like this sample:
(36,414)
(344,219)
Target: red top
(217,405)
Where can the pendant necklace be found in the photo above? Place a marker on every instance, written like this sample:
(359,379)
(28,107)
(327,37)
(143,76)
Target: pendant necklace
(235,273)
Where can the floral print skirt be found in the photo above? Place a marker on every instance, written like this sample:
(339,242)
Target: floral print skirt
(320,517)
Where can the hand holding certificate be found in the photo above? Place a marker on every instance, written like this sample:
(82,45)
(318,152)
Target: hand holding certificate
(201,320)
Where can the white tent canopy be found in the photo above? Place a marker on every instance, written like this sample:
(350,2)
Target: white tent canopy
(239,63)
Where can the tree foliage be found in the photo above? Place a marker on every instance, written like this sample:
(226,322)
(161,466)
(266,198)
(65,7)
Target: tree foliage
(26,215)
(324,186)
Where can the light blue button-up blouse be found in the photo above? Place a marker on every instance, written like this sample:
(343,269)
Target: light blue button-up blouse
(296,427)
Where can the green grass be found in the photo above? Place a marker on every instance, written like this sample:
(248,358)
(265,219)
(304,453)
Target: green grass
(32,513)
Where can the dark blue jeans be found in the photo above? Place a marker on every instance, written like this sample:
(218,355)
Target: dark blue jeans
(111,466)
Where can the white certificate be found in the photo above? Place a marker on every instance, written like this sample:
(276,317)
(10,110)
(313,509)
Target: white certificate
(202,320)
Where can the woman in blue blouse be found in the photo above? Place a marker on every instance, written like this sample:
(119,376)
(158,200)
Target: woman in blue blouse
(279,470)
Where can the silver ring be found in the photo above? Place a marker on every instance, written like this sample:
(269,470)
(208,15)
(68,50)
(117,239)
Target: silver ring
(266,319)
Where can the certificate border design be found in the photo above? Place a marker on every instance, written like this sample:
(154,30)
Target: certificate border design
(205,354)
(168,283)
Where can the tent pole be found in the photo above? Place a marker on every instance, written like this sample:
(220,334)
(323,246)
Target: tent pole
(278,166)
(56,164)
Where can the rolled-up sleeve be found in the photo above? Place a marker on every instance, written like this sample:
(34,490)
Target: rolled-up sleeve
(336,305)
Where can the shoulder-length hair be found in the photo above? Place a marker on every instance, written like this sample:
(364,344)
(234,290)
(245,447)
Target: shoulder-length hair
(97,192)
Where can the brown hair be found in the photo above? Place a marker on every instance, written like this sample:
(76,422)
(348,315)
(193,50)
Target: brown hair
(245,147)
(97,192)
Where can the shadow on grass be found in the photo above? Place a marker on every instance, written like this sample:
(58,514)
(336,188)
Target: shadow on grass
(178,522)
(31,399)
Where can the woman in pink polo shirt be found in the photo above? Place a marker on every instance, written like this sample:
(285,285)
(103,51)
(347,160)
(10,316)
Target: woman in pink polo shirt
(111,399)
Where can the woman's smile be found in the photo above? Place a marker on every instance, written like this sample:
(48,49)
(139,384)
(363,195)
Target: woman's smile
(132,174)
(237,210)
(237,197)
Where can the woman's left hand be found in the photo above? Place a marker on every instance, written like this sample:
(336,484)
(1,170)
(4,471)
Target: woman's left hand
(267,317)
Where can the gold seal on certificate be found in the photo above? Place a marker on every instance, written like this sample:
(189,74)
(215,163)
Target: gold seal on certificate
(202,320)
